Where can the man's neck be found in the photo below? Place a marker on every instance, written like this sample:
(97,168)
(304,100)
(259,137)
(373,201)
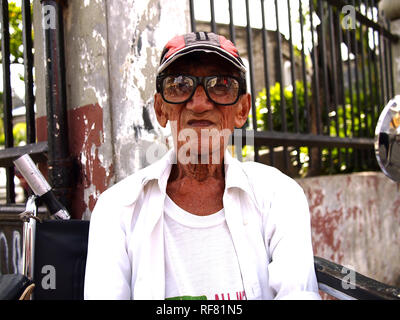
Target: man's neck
(197,188)
(197,172)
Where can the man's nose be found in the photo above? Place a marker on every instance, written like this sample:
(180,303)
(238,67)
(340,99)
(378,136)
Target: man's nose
(199,102)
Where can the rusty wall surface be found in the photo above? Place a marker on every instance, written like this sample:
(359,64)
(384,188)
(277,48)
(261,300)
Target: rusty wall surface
(355,221)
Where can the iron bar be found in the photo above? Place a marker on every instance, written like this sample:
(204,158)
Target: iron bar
(315,73)
(28,74)
(370,70)
(266,79)
(292,72)
(334,74)
(7,98)
(59,163)
(304,72)
(391,63)
(231,25)
(251,70)
(192,16)
(212,10)
(321,39)
(37,151)
(387,71)
(310,140)
(281,80)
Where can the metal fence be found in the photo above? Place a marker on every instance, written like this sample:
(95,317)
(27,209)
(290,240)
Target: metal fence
(317,116)
(54,151)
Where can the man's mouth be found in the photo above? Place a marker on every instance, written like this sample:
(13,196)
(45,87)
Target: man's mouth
(200,123)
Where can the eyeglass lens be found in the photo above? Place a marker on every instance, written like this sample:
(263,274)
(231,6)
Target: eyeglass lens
(220,89)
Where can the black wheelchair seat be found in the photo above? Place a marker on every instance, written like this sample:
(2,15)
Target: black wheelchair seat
(60,259)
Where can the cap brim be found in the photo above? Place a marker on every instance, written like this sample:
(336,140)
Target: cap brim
(202,48)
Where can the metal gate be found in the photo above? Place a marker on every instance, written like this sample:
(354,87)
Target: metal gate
(327,78)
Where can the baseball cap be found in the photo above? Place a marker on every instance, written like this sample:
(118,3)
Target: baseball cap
(208,42)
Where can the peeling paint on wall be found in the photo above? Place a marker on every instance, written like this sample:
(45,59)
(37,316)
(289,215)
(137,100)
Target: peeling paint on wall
(86,140)
(94,172)
(137,34)
(355,221)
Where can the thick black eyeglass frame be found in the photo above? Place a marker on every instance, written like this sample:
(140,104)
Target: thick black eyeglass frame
(201,80)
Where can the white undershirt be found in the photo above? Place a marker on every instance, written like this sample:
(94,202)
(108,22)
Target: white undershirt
(200,259)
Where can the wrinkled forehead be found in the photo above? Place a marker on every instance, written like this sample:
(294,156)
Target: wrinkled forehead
(204,63)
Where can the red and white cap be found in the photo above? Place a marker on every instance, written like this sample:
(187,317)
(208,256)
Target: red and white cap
(200,42)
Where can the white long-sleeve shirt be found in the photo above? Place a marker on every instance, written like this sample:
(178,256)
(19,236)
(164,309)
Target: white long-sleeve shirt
(266,212)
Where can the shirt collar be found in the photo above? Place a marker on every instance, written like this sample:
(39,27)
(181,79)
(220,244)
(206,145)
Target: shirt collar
(235,176)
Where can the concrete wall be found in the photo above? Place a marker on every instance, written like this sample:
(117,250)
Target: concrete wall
(112,51)
(355,221)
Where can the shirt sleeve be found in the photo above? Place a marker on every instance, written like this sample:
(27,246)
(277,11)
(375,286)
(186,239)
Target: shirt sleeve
(291,269)
(108,269)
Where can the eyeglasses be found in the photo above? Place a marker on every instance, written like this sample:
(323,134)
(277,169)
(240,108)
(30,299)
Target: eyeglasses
(220,89)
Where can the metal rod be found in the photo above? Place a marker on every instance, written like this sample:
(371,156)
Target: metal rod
(304,72)
(334,75)
(28,74)
(356,55)
(281,77)
(391,63)
(387,71)
(311,140)
(266,67)
(282,83)
(266,80)
(379,77)
(192,16)
(213,24)
(324,67)
(231,24)
(292,72)
(370,70)
(59,162)
(7,98)
(341,80)
(365,133)
(363,79)
(252,87)
(315,73)
(349,79)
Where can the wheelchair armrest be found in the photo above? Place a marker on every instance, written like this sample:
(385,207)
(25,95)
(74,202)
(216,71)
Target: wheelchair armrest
(347,284)
(13,286)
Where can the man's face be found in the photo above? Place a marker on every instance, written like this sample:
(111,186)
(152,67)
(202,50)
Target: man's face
(199,126)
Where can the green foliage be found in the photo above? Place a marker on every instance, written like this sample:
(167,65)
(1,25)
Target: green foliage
(16,56)
(16,48)
(276,107)
(332,161)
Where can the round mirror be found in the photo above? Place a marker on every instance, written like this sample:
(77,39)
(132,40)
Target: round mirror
(387,139)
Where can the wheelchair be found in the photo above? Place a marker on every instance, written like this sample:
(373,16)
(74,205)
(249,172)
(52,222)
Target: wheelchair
(54,261)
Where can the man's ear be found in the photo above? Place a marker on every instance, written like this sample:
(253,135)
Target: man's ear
(242,110)
(160,110)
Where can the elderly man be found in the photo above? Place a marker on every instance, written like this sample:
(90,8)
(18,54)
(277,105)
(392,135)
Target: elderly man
(198,224)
